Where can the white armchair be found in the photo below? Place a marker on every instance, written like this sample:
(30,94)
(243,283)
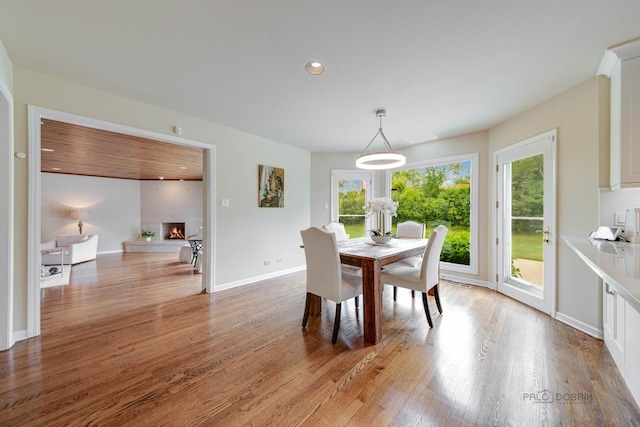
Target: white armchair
(78,248)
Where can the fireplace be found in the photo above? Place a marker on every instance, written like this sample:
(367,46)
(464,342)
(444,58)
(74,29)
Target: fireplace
(173,230)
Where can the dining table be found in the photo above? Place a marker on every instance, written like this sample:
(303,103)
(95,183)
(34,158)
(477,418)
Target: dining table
(372,257)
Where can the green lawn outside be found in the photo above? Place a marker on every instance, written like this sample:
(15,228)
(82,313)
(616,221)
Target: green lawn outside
(525,245)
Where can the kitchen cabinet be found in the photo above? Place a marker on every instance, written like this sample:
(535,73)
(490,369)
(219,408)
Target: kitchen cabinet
(613,319)
(622,65)
(618,265)
(632,351)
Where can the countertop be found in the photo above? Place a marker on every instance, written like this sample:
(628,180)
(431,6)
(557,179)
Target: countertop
(617,263)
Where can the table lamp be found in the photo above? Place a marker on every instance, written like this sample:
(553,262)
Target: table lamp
(79,215)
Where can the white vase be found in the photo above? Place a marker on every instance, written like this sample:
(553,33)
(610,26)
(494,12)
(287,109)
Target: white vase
(148,239)
(381,240)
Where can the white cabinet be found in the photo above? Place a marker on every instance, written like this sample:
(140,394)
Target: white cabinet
(622,65)
(621,324)
(613,315)
(632,351)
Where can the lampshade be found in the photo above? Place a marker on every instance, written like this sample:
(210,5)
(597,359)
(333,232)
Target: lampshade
(386,159)
(79,215)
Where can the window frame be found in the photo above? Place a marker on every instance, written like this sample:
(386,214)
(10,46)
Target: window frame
(343,174)
(472,268)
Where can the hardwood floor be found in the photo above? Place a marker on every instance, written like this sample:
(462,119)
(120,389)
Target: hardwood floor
(132,341)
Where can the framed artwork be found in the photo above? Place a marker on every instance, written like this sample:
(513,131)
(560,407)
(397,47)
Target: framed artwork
(270,187)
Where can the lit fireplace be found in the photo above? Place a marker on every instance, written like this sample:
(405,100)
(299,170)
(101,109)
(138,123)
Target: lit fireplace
(173,230)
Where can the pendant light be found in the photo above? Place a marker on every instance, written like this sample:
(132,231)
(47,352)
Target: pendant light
(386,159)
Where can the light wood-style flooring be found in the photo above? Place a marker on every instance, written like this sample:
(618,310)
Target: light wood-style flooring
(132,341)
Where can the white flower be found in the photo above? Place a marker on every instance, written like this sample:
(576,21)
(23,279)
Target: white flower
(381,205)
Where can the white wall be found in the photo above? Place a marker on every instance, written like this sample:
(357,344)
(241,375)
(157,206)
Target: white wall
(617,201)
(6,68)
(113,206)
(581,117)
(171,201)
(246,235)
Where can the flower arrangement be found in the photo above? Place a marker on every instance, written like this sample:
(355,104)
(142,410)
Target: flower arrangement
(147,234)
(381,206)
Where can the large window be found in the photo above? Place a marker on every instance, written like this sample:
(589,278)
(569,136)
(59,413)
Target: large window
(442,191)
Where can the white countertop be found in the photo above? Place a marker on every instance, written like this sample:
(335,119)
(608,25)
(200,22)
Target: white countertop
(617,263)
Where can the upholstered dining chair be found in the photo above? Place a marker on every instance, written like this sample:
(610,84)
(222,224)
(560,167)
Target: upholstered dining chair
(409,230)
(422,277)
(341,235)
(337,229)
(325,277)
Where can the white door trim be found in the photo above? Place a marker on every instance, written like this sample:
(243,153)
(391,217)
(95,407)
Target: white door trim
(35,116)
(6,218)
(550,188)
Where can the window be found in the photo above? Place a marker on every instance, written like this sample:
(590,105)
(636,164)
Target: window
(442,191)
(350,191)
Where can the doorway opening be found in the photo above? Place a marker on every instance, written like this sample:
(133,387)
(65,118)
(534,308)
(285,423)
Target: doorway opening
(36,115)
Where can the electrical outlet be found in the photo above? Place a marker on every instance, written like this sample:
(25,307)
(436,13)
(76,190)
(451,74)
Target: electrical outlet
(279,260)
(267,262)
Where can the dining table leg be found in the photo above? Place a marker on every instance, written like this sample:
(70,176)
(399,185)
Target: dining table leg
(372,304)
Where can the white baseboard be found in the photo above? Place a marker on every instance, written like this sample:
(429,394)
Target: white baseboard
(17,336)
(117,251)
(254,279)
(581,326)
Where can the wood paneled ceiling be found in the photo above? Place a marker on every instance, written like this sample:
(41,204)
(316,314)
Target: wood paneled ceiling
(79,150)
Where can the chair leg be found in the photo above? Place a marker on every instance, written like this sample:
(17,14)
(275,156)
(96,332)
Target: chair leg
(437,295)
(426,309)
(413,294)
(395,293)
(336,325)
(357,302)
(307,306)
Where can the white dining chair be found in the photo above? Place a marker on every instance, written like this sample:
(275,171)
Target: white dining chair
(337,228)
(410,230)
(325,277)
(423,277)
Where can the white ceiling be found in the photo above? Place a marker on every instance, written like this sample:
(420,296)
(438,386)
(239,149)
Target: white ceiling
(437,67)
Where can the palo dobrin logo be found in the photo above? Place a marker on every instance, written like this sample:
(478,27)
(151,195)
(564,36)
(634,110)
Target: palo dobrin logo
(548,396)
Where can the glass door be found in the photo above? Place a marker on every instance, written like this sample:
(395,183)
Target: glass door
(525,221)
(350,191)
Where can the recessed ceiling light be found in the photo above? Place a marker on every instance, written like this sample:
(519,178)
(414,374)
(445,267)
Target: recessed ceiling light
(56,169)
(161,178)
(314,68)
(183,167)
(48,150)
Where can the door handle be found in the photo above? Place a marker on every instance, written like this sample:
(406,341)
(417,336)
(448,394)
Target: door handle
(545,236)
(606,289)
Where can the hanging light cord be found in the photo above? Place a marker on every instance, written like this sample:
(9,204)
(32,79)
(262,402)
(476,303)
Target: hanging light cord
(387,146)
